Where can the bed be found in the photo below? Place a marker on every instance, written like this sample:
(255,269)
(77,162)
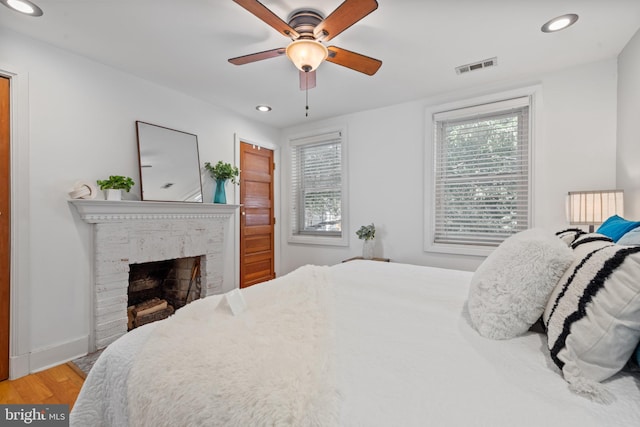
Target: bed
(387,344)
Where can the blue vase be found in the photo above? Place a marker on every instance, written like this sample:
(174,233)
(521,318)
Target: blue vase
(219,196)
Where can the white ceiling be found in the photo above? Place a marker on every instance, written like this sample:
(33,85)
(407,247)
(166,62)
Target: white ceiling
(185,45)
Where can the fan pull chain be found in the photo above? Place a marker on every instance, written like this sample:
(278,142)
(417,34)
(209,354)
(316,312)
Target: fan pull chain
(306,90)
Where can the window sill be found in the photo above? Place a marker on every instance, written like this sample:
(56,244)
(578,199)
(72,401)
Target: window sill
(459,249)
(318,240)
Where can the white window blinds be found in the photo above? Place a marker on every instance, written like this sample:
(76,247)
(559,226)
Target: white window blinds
(316,186)
(481,173)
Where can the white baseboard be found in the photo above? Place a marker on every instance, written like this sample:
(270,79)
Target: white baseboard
(18,366)
(45,358)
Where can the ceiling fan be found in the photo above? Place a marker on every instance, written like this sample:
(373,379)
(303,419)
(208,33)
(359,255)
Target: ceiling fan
(308,29)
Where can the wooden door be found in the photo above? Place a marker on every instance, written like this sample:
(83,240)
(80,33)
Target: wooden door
(5,253)
(257,217)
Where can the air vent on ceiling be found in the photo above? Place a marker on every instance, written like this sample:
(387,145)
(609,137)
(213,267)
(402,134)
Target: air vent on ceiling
(491,62)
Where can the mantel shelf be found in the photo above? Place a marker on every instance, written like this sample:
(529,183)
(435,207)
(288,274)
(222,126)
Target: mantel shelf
(97,211)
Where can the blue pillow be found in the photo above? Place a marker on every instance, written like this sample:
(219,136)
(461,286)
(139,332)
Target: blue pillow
(638,355)
(615,227)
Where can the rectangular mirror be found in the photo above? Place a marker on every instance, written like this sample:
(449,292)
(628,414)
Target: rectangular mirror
(169,164)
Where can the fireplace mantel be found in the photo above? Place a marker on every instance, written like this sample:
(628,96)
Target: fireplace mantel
(133,232)
(99,211)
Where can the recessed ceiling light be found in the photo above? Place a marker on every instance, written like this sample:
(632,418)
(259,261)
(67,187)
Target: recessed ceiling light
(23,6)
(263,108)
(559,23)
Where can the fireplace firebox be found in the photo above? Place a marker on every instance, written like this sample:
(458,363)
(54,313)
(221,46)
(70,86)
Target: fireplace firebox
(156,289)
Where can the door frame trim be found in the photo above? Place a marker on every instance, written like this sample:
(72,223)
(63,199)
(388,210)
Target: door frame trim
(20,282)
(276,204)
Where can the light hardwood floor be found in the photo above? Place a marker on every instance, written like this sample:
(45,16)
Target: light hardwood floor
(58,385)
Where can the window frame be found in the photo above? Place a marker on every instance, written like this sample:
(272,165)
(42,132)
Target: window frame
(319,238)
(533,94)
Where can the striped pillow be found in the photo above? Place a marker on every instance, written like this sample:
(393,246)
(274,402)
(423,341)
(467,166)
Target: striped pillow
(570,235)
(593,314)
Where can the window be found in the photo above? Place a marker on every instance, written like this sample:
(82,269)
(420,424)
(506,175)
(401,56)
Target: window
(481,187)
(317,198)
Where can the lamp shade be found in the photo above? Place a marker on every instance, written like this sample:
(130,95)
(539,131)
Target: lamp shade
(306,55)
(594,207)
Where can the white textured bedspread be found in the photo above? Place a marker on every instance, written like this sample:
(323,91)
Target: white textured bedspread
(406,355)
(272,365)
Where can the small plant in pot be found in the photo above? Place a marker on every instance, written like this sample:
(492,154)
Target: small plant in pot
(222,172)
(114,186)
(368,234)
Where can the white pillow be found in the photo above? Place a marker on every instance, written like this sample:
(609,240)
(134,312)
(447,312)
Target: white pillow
(593,315)
(631,237)
(509,291)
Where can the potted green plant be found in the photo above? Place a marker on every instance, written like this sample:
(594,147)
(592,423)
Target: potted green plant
(368,234)
(222,172)
(114,186)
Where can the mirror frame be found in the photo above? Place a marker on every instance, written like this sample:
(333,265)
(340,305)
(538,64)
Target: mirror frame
(170,136)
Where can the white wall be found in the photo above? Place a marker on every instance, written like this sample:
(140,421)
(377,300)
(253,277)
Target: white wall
(628,155)
(82,126)
(575,150)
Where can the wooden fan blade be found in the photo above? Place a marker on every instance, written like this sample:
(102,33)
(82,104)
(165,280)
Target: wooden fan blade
(347,14)
(262,12)
(307,80)
(355,61)
(258,56)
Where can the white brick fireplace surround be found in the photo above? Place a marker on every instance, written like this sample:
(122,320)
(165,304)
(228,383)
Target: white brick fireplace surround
(133,232)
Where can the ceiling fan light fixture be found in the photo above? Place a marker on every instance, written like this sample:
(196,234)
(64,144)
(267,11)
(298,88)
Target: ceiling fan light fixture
(23,6)
(307,54)
(263,108)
